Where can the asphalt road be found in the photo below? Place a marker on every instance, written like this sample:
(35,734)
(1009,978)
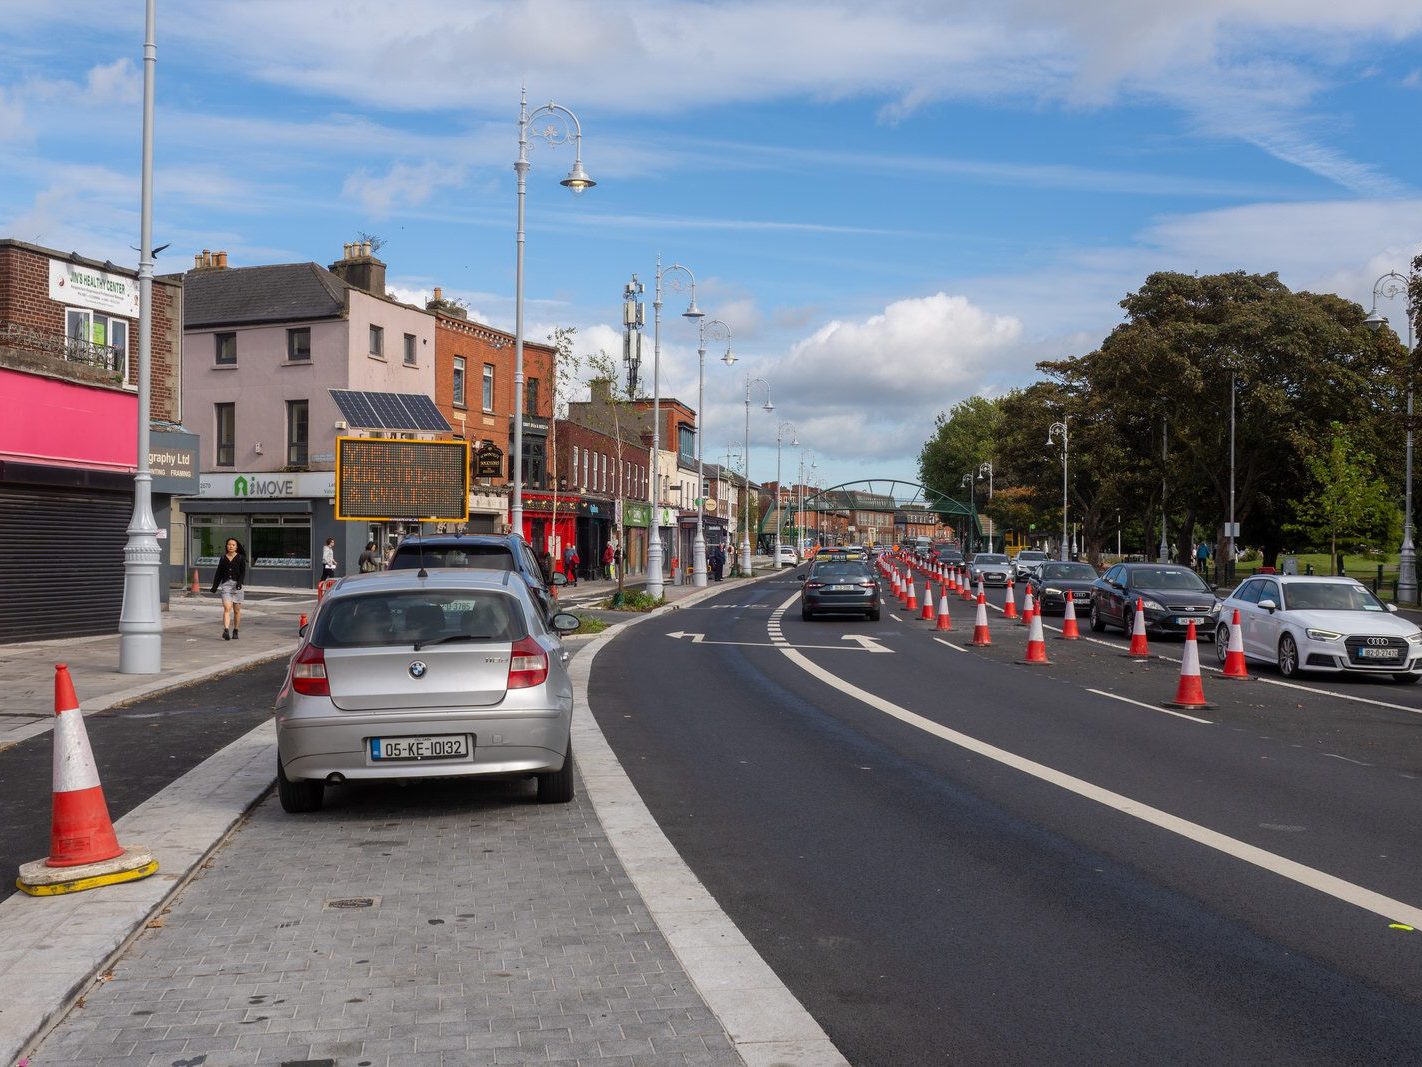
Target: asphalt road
(139,749)
(953,858)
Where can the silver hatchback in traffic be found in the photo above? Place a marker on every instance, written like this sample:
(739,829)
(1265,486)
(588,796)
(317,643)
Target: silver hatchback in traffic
(447,675)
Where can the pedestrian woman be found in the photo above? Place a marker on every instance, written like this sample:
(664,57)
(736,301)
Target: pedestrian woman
(608,561)
(570,564)
(228,580)
(328,559)
(369,559)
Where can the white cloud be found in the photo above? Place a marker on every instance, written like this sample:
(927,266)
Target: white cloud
(12,118)
(403,185)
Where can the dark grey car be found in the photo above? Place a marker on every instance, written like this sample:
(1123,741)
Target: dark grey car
(840,586)
(1171,596)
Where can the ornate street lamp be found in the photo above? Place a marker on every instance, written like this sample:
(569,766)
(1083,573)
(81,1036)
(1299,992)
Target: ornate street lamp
(698,544)
(556,132)
(745,535)
(1054,430)
(1391,285)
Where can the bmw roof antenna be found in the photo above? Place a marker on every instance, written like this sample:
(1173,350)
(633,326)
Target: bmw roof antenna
(423,573)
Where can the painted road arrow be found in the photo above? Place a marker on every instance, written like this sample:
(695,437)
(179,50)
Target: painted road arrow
(866,644)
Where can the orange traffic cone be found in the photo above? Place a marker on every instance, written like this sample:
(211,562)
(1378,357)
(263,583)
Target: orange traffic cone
(965,583)
(929,612)
(195,588)
(1009,606)
(1036,646)
(1070,632)
(1234,666)
(1029,608)
(945,621)
(981,636)
(83,850)
(1191,692)
(911,604)
(952,582)
(1139,649)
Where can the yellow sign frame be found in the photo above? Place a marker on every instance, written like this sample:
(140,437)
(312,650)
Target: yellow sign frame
(463,446)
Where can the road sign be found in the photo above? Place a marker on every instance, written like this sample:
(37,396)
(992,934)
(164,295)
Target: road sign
(380,479)
(1231,529)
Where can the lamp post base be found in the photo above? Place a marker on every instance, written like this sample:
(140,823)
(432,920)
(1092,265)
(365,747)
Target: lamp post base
(654,565)
(698,560)
(745,557)
(1407,571)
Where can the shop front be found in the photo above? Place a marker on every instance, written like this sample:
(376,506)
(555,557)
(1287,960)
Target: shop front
(636,519)
(714,531)
(281,518)
(550,522)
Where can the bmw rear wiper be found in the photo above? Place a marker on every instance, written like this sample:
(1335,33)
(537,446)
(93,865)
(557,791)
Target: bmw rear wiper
(453,637)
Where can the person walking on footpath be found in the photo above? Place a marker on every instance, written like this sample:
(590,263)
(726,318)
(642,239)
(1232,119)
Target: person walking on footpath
(328,559)
(570,564)
(369,559)
(1202,557)
(608,561)
(228,580)
(717,561)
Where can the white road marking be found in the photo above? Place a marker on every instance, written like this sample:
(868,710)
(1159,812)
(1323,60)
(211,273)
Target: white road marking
(1345,759)
(868,643)
(780,642)
(1148,707)
(950,644)
(1311,877)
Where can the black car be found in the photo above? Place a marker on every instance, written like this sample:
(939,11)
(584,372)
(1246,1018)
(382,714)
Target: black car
(948,555)
(839,586)
(486,552)
(1171,595)
(1051,581)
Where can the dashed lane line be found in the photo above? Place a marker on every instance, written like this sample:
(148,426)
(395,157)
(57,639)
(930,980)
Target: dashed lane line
(1148,707)
(1396,911)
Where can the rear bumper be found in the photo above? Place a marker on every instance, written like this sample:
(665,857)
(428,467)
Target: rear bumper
(523,744)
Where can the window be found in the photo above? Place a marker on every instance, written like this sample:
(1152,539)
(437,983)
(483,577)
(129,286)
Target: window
(98,340)
(459,381)
(298,344)
(226,418)
(686,442)
(225,349)
(530,396)
(409,350)
(377,341)
(488,387)
(533,462)
(296,436)
(575,466)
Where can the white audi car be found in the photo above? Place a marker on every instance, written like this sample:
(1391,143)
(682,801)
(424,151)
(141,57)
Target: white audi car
(1320,624)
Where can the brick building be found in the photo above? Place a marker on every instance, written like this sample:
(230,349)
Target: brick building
(474,390)
(68,436)
(595,473)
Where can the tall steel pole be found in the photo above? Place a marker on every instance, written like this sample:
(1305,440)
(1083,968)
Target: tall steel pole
(577,180)
(140,623)
(1233,381)
(1390,285)
(745,538)
(1052,431)
(1164,536)
(654,546)
(779,494)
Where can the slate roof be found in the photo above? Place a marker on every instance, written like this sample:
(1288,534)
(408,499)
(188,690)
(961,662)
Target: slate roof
(279,292)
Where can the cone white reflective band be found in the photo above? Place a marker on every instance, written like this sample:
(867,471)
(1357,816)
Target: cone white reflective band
(73,759)
(1236,637)
(1190,661)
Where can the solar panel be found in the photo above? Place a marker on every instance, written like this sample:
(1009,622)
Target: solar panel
(389,411)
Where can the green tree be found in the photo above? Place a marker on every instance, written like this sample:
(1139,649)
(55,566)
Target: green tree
(962,441)
(1348,500)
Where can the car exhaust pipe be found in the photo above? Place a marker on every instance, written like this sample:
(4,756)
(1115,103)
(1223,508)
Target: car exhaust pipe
(335,778)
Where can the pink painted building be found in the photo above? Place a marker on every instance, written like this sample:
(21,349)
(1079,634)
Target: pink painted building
(69,435)
(265,346)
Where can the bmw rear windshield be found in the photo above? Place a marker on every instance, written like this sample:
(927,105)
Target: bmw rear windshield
(419,617)
(464,557)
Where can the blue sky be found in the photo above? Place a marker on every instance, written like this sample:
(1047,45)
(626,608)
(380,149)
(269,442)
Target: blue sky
(892,206)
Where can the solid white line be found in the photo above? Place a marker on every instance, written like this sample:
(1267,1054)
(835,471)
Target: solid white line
(1311,877)
(895,617)
(1148,707)
(1345,759)
(950,644)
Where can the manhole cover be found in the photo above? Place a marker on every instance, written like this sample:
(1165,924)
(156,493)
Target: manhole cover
(351,903)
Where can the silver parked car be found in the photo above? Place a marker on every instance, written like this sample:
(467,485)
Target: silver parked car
(451,674)
(992,567)
(1321,624)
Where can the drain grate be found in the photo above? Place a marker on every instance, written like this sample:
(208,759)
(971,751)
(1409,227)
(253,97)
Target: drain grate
(351,903)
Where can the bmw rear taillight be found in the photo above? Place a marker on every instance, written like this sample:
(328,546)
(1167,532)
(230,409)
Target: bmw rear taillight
(308,672)
(528,665)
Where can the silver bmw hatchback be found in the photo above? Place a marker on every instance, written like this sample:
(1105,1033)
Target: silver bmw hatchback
(408,674)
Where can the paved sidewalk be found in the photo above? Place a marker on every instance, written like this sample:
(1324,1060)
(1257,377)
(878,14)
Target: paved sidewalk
(500,931)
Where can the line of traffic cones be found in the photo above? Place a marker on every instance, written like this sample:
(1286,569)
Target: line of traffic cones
(84,851)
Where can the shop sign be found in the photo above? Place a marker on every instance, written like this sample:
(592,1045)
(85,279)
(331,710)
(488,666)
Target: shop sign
(544,505)
(87,287)
(173,460)
(269,485)
(599,508)
(282,561)
(635,513)
(489,461)
(535,426)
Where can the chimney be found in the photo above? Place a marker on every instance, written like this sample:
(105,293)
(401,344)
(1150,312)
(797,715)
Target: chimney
(207,259)
(222,261)
(437,303)
(359,269)
(439,295)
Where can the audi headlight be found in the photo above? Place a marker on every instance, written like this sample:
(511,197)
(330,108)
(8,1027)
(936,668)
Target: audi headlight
(1052,592)
(1415,639)
(1151,605)
(1329,635)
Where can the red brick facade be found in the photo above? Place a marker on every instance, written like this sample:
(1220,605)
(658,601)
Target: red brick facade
(30,320)
(480,346)
(586,462)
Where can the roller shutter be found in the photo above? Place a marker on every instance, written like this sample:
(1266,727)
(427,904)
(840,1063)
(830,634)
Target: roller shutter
(61,561)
